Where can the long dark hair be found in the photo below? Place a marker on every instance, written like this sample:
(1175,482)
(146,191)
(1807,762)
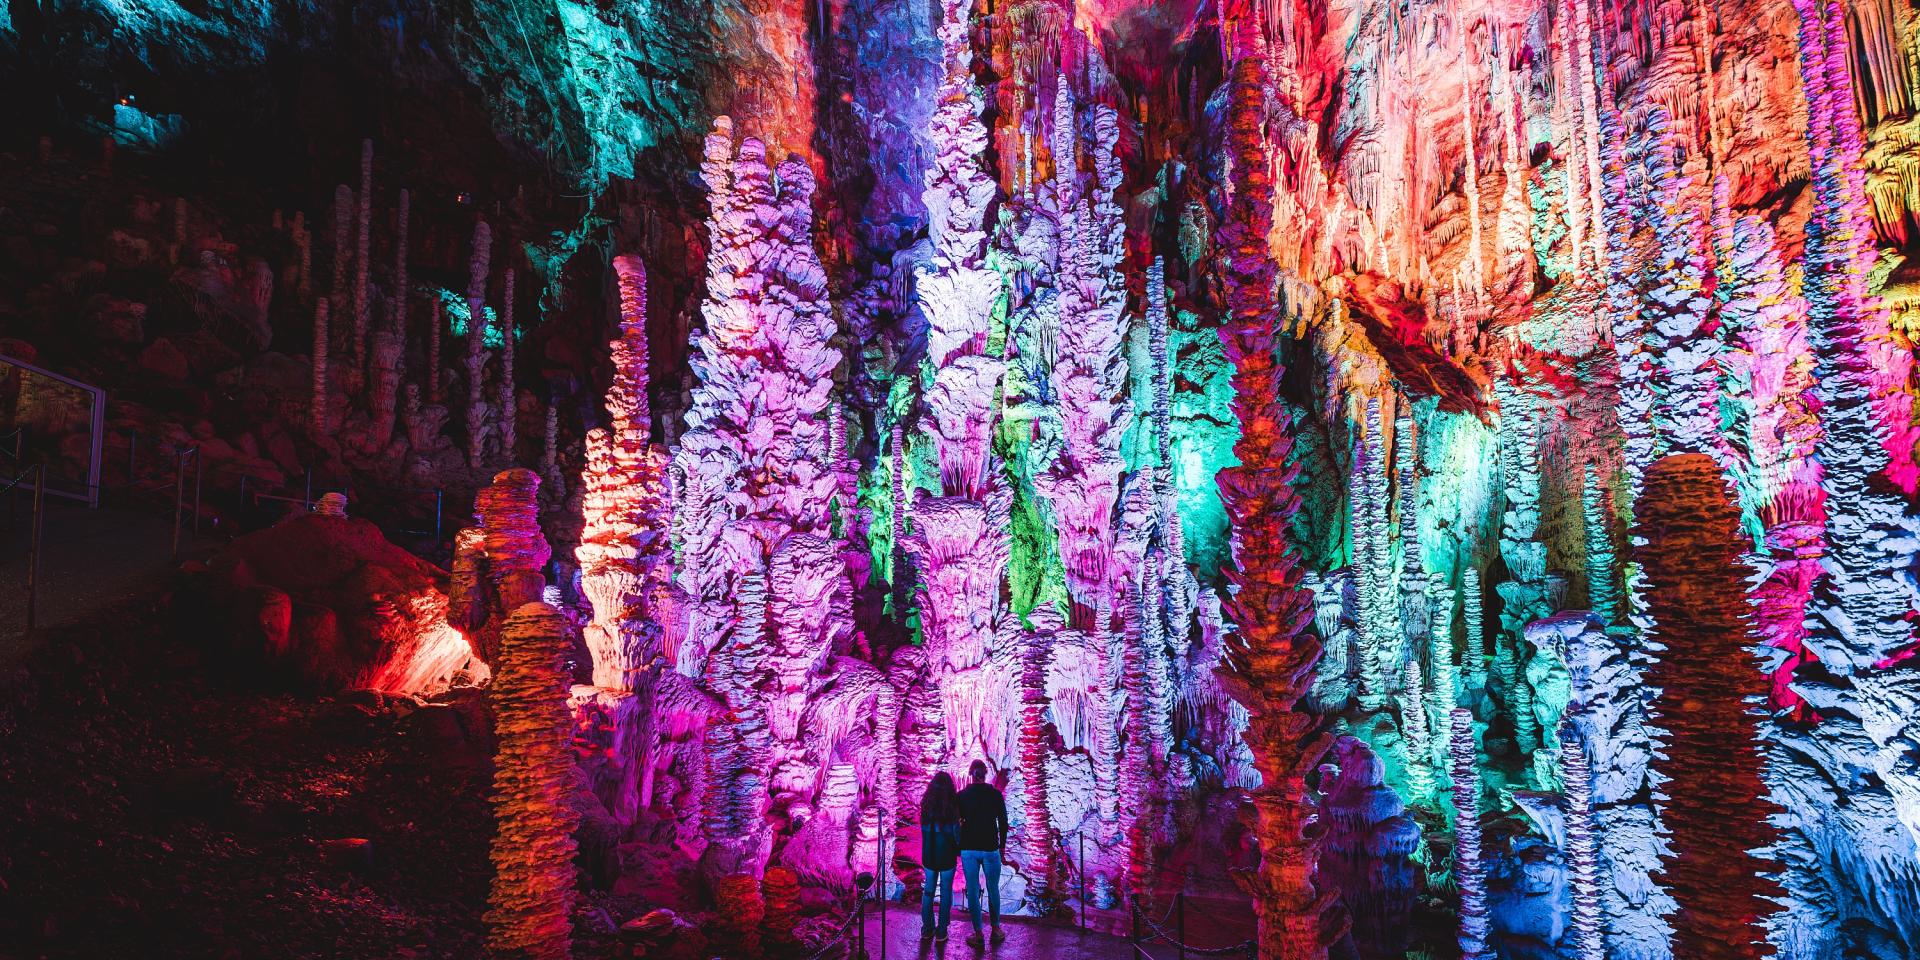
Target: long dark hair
(941,802)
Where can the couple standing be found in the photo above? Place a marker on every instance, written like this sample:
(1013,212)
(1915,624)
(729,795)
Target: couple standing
(968,826)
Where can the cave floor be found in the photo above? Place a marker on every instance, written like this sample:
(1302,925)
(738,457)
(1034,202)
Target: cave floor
(1026,940)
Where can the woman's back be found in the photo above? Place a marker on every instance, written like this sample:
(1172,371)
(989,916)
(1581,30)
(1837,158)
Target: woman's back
(940,824)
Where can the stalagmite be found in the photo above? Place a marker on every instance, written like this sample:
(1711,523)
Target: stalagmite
(342,235)
(402,222)
(506,402)
(318,415)
(437,320)
(1706,676)
(477,268)
(362,247)
(625,559)
(1583,865)
(530,911)
(1603,589)
(757,488)
(959,541)
(1469,871)
(1271,655)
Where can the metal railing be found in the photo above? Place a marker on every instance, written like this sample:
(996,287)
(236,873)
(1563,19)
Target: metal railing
(96,425)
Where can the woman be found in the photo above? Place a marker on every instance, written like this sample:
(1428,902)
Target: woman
(939,852)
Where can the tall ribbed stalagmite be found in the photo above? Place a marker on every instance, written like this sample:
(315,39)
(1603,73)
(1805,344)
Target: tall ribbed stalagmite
(1709,680)
(530,911)
(1271,656)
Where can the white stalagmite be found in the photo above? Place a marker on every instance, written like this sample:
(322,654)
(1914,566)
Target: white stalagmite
(1469,870)
(362,245)
(477,270)
(506,401)
(317,412)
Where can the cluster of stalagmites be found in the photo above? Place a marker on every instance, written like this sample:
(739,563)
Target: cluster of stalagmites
(739,691)
(376,400)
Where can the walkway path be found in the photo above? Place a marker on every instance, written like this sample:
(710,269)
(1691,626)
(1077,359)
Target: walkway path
(1027,939)
(93,559)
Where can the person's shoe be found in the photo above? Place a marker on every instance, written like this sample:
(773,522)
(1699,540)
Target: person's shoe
(999,936)
(940,935)
(926,933)
(974,941)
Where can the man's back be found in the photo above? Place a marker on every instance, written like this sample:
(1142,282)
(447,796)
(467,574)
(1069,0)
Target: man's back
(983,817)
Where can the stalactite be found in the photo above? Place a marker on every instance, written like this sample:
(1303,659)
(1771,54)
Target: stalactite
(1270,658)
(1678,290)
(1707,681)
(1470,178)
(1769,373)
(1469,871)
(1840,249)
(1088,374)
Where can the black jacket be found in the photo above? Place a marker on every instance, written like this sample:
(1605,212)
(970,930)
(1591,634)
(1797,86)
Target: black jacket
(983,818)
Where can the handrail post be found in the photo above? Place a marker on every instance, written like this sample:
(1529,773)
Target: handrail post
(199,473)
(306,501)
(179,499)
(33,547)
(880,890)
(438,492)
(1080,870)
(1180,924)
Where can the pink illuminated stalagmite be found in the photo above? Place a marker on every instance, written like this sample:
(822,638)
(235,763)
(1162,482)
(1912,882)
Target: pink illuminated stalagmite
(625,559)
(1082,482)
(959,538)
(754,495)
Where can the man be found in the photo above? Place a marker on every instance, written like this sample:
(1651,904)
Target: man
(983,831)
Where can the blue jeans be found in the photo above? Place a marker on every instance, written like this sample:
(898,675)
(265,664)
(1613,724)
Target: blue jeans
(944,878)
(974,861)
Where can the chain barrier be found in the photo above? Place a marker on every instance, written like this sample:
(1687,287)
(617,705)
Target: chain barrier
(1245,948)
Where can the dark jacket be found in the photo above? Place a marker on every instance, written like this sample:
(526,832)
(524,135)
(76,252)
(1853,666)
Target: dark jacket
(939,845)
(983,818)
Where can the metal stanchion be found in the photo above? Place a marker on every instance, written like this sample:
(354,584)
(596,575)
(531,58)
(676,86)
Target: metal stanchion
(1081,870)
(179,500)
(1180,924)
(199,473)
(33,548)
